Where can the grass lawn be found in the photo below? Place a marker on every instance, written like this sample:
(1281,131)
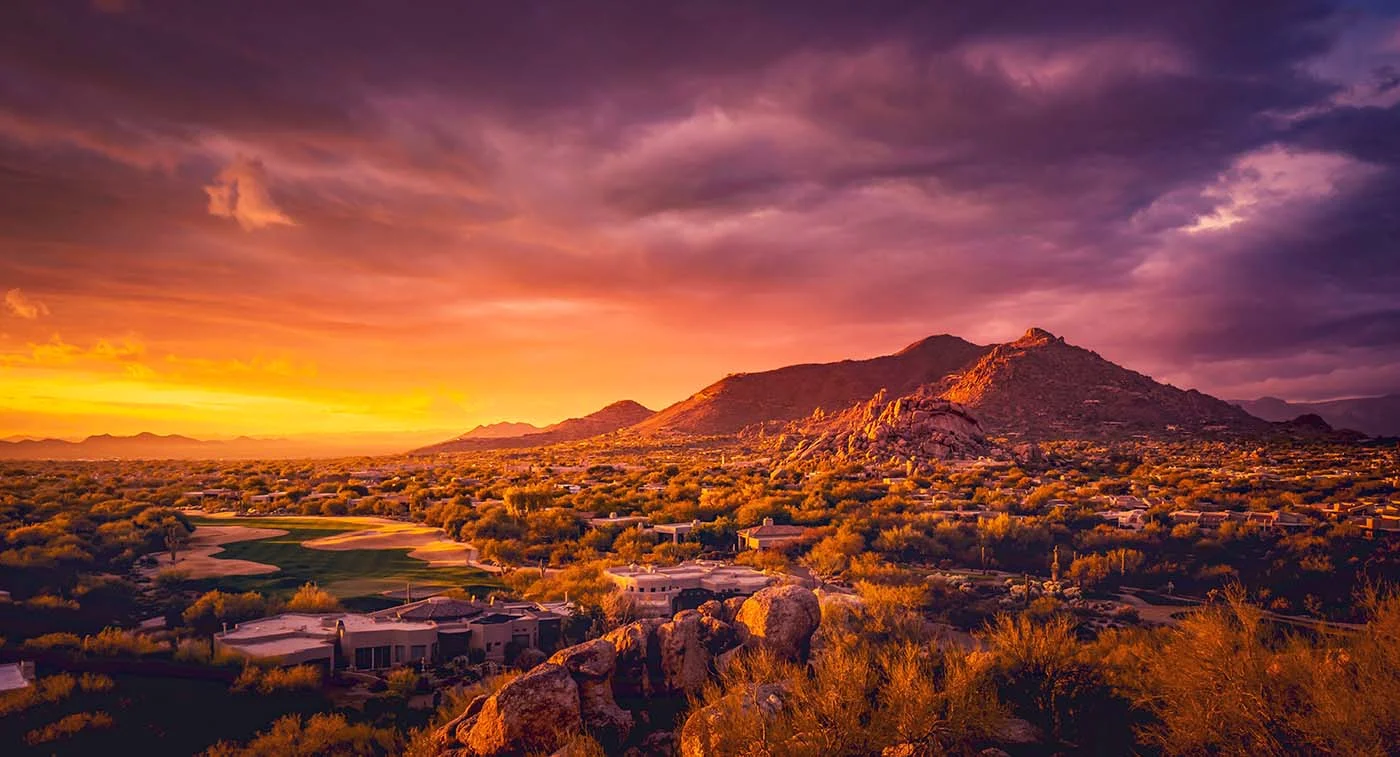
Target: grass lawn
(347,574)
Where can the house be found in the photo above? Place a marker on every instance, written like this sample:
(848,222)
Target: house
(770,536)
(677,531)
(614,519)
(429,630)
(359,642)
(1132,519)
(1388,525)
(663,591)
(16,676)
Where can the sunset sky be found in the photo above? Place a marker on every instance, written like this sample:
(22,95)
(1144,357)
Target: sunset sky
(273,218)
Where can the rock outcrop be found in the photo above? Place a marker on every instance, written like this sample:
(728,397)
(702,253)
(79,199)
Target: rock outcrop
(913,430)
(592,664)
(536,712)
(780,619)
(585,687)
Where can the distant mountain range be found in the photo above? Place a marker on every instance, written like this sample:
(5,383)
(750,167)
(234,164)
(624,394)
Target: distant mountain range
(148,446)
(618,415)
(1374,416)
(502,430)
(1037,387)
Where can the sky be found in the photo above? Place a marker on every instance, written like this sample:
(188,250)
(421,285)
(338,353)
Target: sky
(268,218)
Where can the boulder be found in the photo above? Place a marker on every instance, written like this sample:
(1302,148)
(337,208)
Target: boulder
(685,660)
(591,664)
(782,620)
(638,658)
(592,659)
(537,712)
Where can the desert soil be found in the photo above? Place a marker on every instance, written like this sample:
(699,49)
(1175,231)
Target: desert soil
(197,559)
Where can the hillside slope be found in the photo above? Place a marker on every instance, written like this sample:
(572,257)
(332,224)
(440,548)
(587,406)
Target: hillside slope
(616,416)
(1040,387)
(792,393)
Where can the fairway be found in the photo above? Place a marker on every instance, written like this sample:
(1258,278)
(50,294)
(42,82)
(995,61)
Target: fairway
(345,573)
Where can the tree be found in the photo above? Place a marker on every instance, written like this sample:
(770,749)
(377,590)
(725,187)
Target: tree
(211,611)
(832,555)
(521,500)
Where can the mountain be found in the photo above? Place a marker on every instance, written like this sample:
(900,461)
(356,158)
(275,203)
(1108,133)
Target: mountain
(148,446)
(616,416)
(1374,416)
(502,430)
(881,432)
(1040,387)
(144,446)
(794,392)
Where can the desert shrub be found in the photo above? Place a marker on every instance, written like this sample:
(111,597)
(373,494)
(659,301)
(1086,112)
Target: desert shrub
(51,602)
(319,735)
(68,726)
(856,699)
(1227,682)
(114,642)
(96,682)
(274,680)
(402,681)
(312,598)
(1040,671)
(54,641)
(46,690)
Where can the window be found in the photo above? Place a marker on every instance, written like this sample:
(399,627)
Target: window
(417,652)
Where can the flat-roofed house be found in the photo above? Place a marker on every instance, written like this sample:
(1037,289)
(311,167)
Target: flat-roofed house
(666,590)
(770,535)
(16,676)
(677,531)
(359,642)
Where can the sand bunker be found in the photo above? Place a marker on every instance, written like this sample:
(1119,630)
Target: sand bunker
(429,544)
(197,559)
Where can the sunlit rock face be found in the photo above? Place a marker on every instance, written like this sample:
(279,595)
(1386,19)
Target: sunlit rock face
(915,429)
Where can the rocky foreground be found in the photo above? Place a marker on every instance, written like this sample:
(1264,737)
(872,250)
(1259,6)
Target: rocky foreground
(617,687)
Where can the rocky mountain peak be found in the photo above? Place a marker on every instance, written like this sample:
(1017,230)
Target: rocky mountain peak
(1036,336)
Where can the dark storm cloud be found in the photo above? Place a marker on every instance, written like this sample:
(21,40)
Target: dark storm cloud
(921,167)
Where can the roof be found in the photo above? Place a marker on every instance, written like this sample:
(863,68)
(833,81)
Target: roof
(432,608)
(496,618)
(12,678)
(773,531)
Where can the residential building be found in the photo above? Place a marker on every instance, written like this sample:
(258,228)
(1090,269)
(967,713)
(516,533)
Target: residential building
(614,519)
(666,590)
(677,531)
(770,536)
(429,630)
(16,676)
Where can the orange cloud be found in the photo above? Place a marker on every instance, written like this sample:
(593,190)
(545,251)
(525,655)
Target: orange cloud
(20,305)
(240,192)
